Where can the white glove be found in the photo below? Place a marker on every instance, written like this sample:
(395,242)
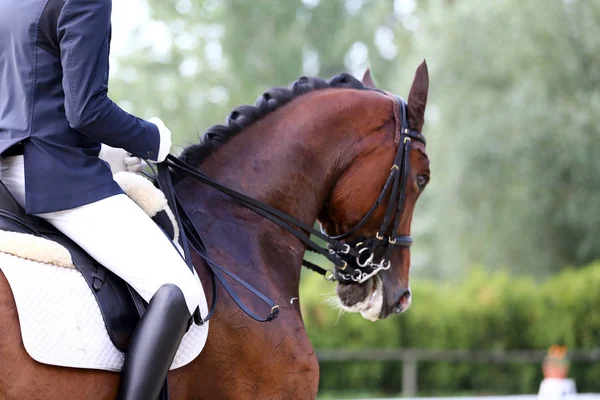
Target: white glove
(165,139)
(121,160)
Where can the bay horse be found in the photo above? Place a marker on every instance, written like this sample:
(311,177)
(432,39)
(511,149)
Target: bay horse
(318,150)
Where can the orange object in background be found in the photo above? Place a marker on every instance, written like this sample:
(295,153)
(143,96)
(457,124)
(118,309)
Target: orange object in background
(555,367)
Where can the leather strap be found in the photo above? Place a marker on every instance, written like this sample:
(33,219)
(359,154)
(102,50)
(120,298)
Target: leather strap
(280,218)
(217,271)
(190,236)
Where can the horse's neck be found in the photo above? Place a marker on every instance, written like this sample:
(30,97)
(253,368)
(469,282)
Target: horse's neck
(289,160)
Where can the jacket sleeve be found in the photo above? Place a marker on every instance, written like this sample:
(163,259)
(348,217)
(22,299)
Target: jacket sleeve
(84,35)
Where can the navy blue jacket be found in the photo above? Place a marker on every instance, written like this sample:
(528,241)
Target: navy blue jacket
(53,98)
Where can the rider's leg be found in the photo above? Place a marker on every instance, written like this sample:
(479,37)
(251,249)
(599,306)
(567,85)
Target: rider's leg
(119,235)
(154,345)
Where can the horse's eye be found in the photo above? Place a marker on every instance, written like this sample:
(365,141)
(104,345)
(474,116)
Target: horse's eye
(422,181)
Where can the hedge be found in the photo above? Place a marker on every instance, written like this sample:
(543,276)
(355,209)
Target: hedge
(486,311)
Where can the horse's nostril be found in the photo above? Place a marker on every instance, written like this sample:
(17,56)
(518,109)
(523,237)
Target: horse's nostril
(405,294)
(403,301)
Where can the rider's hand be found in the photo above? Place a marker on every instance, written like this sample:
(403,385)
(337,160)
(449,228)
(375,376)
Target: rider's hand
(134,164)
(120,160)
(165,139)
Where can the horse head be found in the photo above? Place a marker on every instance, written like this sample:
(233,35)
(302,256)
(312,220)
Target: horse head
(376,225)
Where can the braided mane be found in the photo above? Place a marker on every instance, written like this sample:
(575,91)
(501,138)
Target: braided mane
(245,115)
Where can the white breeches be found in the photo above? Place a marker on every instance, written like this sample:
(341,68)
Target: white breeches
(120,236)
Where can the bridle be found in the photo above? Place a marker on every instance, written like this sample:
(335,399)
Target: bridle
(356,261)
(353,261)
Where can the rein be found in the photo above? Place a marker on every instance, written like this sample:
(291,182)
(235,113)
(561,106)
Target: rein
(353,263)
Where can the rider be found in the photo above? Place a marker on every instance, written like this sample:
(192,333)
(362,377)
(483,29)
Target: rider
(54,115)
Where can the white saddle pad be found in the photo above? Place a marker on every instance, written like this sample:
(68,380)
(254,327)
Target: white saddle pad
(61,322)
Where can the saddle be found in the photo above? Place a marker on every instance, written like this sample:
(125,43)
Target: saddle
(121,307)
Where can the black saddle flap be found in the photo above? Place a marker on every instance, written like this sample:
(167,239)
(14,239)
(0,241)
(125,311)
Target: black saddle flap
(10,205)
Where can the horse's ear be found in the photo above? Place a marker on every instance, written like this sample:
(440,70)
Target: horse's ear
(367,80)
(417,98)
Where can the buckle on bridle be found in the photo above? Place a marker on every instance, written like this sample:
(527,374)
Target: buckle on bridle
(344,267)
(392,240)
(378,236)
(345,249)
(274,313)
(406,139)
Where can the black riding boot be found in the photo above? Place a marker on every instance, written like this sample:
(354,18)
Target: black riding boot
(154,344)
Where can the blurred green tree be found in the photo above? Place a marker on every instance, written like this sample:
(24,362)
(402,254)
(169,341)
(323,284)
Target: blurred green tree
(221,54)
(515,137)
